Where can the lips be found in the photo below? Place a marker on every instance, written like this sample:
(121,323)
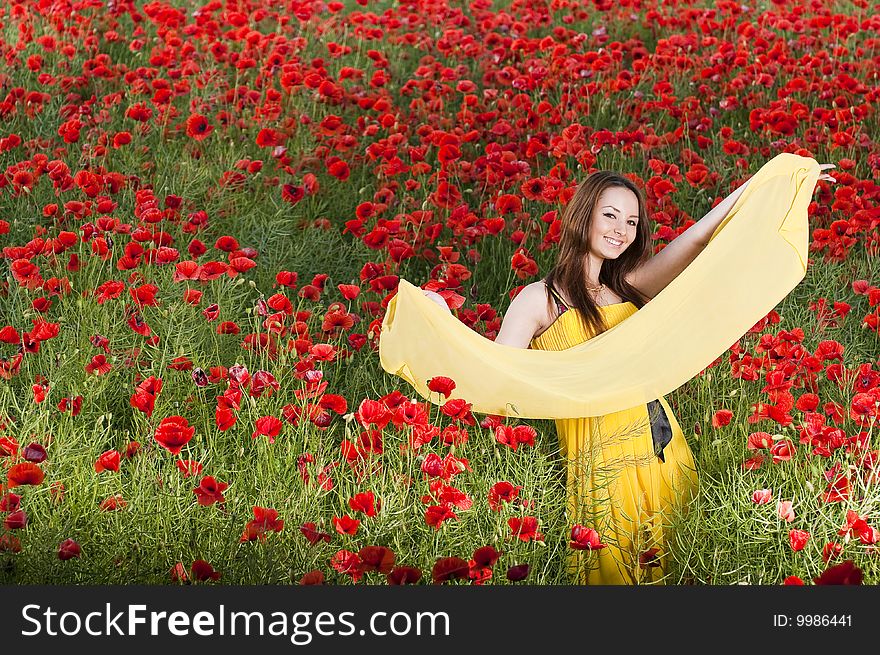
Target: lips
(613,242)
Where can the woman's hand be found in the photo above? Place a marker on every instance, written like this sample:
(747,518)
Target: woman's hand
(828,178)
(437,298)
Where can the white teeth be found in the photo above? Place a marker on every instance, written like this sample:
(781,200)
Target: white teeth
(613,242)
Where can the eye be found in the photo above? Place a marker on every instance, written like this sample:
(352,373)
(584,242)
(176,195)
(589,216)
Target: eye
(611,215)
(633,222)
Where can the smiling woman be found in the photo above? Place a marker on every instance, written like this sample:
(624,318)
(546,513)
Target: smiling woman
(657,322)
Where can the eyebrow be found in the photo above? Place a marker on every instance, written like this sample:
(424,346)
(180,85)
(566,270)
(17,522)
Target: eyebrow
(618,211)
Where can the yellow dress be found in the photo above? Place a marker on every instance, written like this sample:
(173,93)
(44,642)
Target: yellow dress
(599,388)
(617,485)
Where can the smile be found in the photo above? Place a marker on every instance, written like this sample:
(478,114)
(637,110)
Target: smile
(614,243)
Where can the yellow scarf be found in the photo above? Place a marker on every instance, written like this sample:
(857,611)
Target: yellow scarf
(755,257)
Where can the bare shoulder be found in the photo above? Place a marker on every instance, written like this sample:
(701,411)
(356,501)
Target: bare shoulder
(525,317)
(536,292)
(534,297)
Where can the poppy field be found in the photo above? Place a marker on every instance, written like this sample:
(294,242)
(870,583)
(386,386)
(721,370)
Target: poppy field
(205,208)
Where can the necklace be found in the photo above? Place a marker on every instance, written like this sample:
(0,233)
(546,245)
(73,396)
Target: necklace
(596,289)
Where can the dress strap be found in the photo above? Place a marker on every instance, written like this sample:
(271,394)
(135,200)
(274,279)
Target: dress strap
(559,302)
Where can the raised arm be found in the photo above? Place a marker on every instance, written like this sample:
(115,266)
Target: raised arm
(652,277)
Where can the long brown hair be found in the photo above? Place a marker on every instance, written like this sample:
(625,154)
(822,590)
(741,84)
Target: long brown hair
(568,276)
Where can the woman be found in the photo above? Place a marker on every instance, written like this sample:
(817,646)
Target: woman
(628,471)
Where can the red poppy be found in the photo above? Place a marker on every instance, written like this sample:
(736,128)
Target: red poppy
(347,563)
(585,538)
(24,473)
(508,203)
(286,279)
(436,514)
(753,463)
(372,412)
(182,363)
(346,525)
(525,528)
(502,492)
(759,441)
(442,385)
(34,452)
(269,426)
(68,549)
(334,402)
(518,572)
(312,578)
(523,265)
(263,383)
(121,139)
(854,523)
(338,169)
(793,580)
(40,392)
(376,558)
(189,467)
(210,491)
(197,127)
(514,436)
(486,556)
(721,418)
(782,450)
(98,365)
(837,490)
(265,520)
(785,510)
(797,539)
(422,435)
(649,558)
(113,503)
(8,334)
(401,575)
(830,551)
(807,402)
(145,295)
(829,350)
(224,418)
(310,532)
(292,193)
(762,496)
(9,543)
(10,502)
(173,433)
(363,502)
(226,243)
(845,573)
(269,138)
(449,568)
(453,436)
(74,404)
(178,573)
(349,291)
(203,571)
(192,296)
(108,461)
(16,520)
(136,323)
(869,535)
(8,447)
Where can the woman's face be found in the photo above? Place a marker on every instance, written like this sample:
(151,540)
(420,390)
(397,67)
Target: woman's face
(615,219)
